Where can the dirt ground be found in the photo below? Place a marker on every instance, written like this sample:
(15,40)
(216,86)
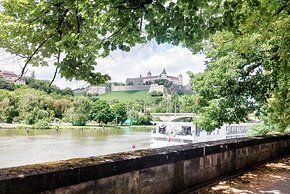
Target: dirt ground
(271,178)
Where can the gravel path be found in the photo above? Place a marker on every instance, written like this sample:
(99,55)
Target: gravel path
(270,178)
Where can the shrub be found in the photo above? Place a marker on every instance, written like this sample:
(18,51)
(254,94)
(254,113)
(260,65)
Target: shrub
(156,93)
(79,120)
(41,124)
(29,119)
(41,114)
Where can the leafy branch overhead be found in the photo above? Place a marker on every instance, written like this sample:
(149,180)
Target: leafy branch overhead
(246,42)
(85,30)
(247,72)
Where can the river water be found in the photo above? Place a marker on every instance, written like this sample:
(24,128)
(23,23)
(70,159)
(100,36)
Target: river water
(17,147)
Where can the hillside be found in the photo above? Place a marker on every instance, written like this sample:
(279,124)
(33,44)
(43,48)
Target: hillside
(128,96)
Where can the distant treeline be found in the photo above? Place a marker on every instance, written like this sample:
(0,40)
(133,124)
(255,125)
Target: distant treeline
(39,107)
(42,85)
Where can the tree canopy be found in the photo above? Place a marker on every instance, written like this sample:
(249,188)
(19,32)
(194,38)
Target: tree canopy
(246,41)
(77,32)
(247,73)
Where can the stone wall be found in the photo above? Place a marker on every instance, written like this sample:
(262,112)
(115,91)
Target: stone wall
(163,170)
(98,90)
(130,88)
(158,88)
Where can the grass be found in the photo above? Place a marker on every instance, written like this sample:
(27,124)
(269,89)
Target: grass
(128,96)
(82,93)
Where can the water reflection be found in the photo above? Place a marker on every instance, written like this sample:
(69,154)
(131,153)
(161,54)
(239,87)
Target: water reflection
(17,147)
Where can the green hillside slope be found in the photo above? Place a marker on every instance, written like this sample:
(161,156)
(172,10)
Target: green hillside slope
(127,96)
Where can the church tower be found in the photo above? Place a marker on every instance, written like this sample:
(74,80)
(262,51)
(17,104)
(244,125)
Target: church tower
(163,75)
(149,74)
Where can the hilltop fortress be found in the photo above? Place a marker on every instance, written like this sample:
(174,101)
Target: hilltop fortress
(149,79)
(148,83)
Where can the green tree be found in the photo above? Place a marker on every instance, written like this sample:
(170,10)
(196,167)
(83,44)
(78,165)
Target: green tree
(101,112)
(247,67)
(83,30)
(120,113)
(188,103)
(175,102)
(6,85)
(60,106)
(8,107)
(67,91)
(244,75)
(143,119)
(30,101)
(164,82)
(42,114)
(80,113)
(46,86)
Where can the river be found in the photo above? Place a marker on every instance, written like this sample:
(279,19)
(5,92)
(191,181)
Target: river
(17,147)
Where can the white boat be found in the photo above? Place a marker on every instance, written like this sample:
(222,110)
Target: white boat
(178,133)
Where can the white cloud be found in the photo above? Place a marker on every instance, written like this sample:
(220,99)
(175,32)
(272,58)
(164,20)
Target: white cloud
(120,65)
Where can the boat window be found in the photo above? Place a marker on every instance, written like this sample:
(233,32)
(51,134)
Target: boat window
(185,130)
(162,129)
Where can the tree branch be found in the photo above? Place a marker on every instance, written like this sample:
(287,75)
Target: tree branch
(141,21)
(136,4)
(47,11)
(32,55)
(54,76)
(29,58)
(56,69)
(116,32)
(77,18)
(22,56)
(281,9)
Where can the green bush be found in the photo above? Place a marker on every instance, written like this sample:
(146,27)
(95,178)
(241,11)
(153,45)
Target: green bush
(6,85)
(41,114)
(261,129)
(156,93)
(29,119)
(144,119)
(79,120)
(41,124)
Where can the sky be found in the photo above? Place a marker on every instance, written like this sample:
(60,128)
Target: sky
(121,65)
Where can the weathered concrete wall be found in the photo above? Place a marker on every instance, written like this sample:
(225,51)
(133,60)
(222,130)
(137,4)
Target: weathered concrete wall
(164,170)
(158,88)
(130,88)
(98,90)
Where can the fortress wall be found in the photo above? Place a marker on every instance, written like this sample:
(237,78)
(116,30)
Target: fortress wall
(130,88)
(157,88)
(98,89)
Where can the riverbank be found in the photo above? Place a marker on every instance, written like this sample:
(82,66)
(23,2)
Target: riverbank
(69,126)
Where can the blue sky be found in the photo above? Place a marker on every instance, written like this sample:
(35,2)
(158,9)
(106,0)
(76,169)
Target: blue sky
(120,65)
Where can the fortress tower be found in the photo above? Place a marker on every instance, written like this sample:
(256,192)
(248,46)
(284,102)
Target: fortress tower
(152,78)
